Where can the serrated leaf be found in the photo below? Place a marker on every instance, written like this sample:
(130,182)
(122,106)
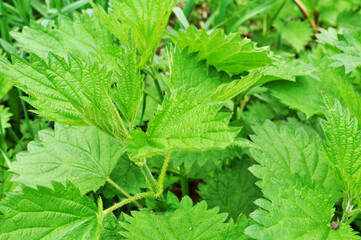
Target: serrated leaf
(226,53)
(111,228)
(342,148)
(296,211)
(232,189)
(299,192)
(350,56)
(285,153)
(147,20)
(236,230)
(4,118)
(296,33)
(82,155)
(186,222)
(72,92)
(328,36)
(127,88)
(5,85)
(84,35)
(62,213)
(186,121)
(6,185)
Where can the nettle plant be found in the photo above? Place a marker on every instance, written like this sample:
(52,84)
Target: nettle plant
(97,90)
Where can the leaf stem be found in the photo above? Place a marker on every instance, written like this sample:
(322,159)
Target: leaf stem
(126,201)
(184,181)
(152,183)
(152,96)
(306,14)
(164,170)
(120,189)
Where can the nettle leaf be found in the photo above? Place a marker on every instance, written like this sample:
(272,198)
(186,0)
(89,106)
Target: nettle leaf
(342,148)
(111,228)
(6,185)
(299,192)
(185,121)
(147,20)
(285,153)
(72,92)
(84,35)
(287,70)
(236,230)
(187,71)
(44,213)
(226,53)
(350,56)
(186,222)
(296,211)
(305,93)
(5,116)
(296,33)
(327,36)
(5,85)
(127,89)
(232,189)
(82,155)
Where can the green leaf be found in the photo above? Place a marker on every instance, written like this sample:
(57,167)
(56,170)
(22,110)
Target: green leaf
(232,189)
(236,230)
(82,155)
(72,92)
(186,222)
(342,148)
(127,89)
(350,56)
(186,121)
(62,213)
(298,187)
(186,70)
(226,53)
(296,211)
(5,85)
(285,153)
(84,35)
(296,33)
(5,116)
(111,229)
(128,176)
(6,185)
(147,20)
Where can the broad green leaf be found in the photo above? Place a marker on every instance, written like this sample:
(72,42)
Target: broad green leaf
(6,185)
(296,211)
(84,35)
(127,88)
(305,93)
(296,33)
(226,53)
(350,56)
(287,70)
(185,121)
(186,222)
(342,148)
(349,20)
(285,153)
(232,189)
(82,155)
(5,85)
(68,91)
(298,187)
(147,20)
(44,213)
(187,70)
(128,176)
(236,230)
(111,228)
(5,116)
(328,36)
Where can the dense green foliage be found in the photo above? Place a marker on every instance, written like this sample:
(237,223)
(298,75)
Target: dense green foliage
(198,119)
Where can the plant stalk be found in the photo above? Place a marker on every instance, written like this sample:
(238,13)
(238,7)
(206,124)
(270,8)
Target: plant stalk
(126,201)
(305,13)
(152,183)
(164,170)
(120,189)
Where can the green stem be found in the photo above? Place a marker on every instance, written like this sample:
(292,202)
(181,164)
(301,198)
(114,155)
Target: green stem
(27,120)
(346,212)
(120,189)
(152,183)
(164,170)
(152,96)
(184,181)
(126,201)
(159,89)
